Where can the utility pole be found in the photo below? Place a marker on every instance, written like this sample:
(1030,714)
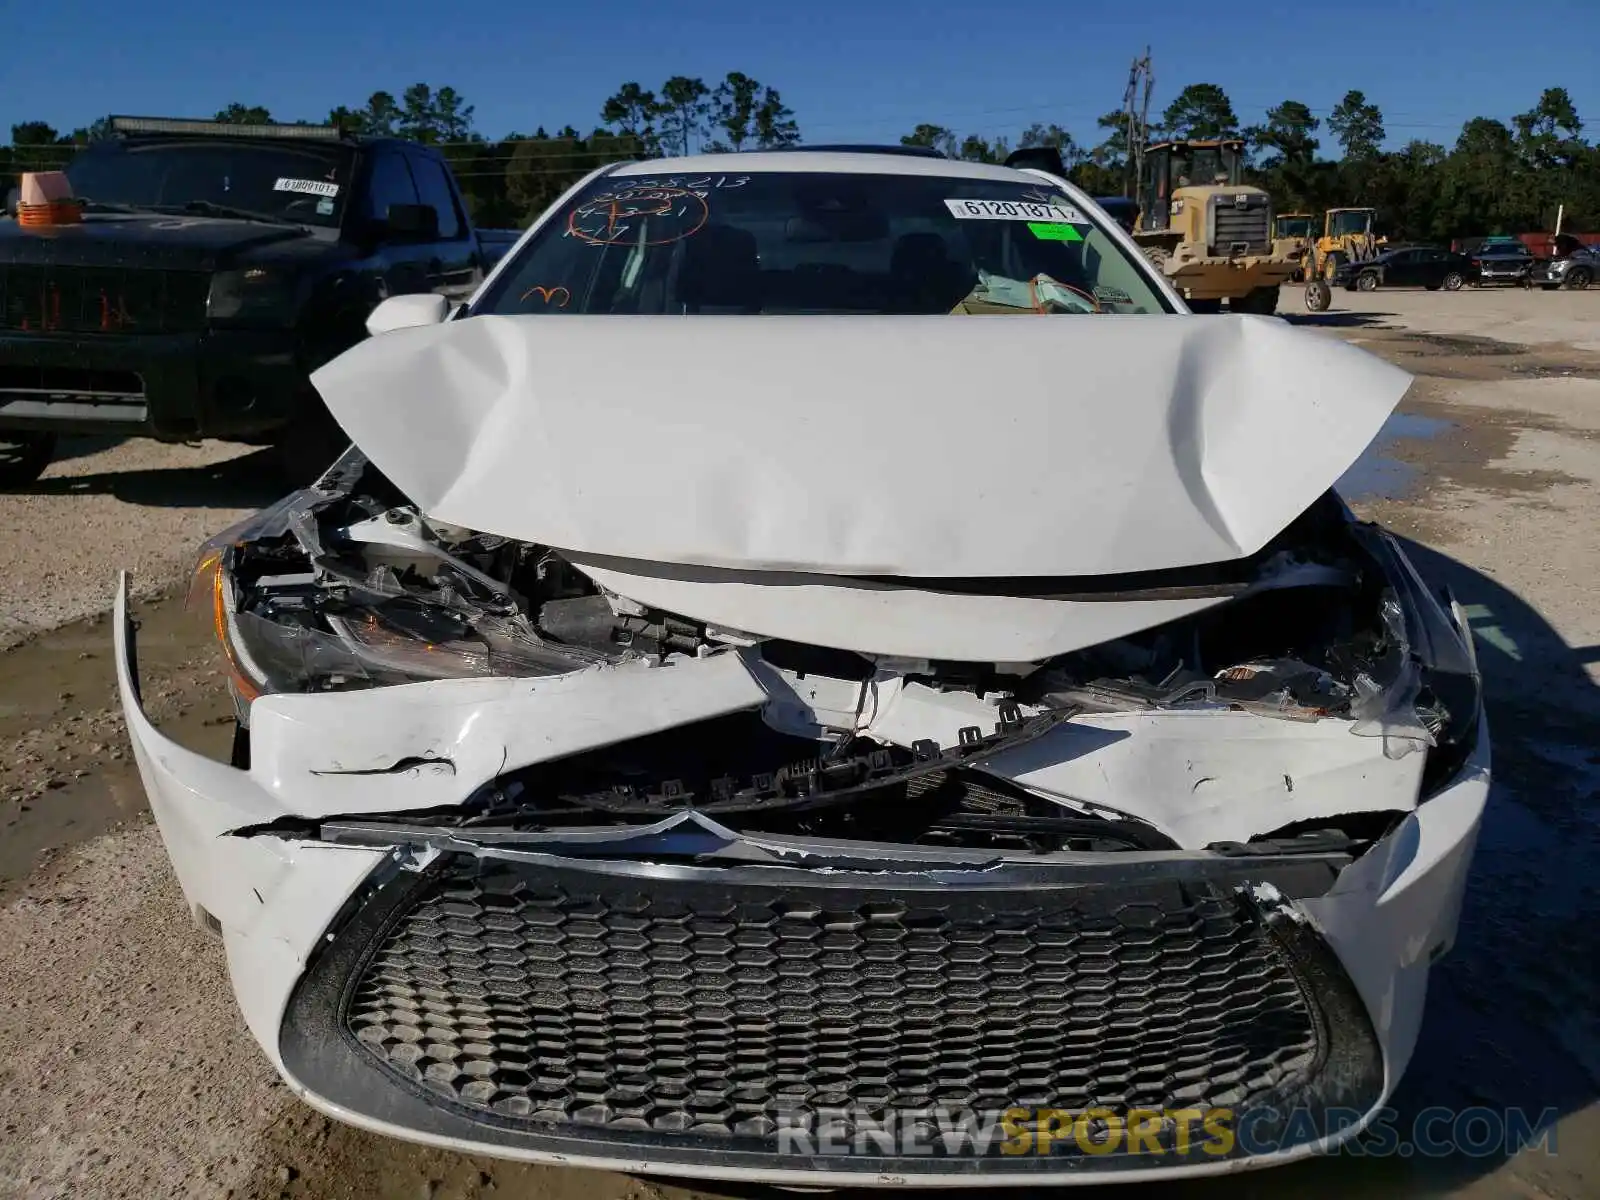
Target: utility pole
(1136,120)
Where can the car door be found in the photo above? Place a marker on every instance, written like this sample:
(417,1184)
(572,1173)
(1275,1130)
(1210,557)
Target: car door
(399,265)
(1404,267)
(455,262)
(1432,266)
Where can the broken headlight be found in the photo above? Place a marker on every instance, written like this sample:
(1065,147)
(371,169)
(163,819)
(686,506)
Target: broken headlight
(284,625)
(1442,690)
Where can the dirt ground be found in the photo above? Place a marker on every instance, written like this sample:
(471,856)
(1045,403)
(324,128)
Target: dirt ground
(125,1069)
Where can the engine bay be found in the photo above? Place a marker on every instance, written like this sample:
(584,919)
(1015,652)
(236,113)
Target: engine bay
(346,586)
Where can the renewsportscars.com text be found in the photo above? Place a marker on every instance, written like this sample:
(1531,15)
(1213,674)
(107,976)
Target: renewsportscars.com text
(1196,1133)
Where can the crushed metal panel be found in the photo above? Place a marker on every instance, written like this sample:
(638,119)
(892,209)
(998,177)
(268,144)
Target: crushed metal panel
(1215,776)
(423,745)
(880,618)
(901,446)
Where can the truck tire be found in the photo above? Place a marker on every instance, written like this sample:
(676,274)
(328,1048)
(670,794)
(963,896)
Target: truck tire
(24,456)
(1331,264)
(1319,296)
(307,447)
(1263,301)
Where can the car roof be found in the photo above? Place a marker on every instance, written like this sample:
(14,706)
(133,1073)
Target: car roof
(841,162)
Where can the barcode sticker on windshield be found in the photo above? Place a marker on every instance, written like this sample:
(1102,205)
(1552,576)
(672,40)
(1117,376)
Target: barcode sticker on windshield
(311,187)
(1014,210)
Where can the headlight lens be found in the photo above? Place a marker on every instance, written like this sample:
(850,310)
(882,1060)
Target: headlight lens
(294,634)
(260,296)
(1444,696)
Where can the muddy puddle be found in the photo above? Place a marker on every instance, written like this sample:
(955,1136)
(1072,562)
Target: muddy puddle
(66,768)
(1381,473)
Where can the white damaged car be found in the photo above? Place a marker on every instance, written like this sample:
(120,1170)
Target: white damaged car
(726,717)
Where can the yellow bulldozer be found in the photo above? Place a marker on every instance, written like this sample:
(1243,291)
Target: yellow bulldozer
(1347,237)
(1208,233)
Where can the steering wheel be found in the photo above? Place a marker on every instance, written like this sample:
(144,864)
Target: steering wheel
(302,202)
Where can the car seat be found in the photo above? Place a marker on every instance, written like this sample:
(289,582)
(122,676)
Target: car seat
(923,277)
(721,272)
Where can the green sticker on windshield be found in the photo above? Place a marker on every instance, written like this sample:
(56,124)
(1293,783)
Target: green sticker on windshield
(1054,231)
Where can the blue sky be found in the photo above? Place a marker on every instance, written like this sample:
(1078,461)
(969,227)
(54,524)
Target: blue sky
(850,70)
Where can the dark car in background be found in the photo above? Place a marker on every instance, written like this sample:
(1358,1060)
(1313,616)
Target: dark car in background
(1430,267)
(211,269)
(1504,263)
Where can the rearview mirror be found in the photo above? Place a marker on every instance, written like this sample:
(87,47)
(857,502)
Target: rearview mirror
(412,223)
(408,312)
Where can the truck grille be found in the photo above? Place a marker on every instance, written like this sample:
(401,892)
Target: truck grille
(70,299)
(565,1001)
(1233,226)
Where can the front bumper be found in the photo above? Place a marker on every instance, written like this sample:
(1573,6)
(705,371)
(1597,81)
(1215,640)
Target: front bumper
(605,1007)
(222,383)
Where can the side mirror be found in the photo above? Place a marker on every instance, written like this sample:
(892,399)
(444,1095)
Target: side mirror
(1041,158)
(412,223)
(408,312)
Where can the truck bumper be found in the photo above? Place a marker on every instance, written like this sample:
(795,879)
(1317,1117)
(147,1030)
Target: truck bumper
(224,383)
(1215,278)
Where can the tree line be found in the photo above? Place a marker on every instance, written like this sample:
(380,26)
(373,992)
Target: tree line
(1495,178)
(510,180)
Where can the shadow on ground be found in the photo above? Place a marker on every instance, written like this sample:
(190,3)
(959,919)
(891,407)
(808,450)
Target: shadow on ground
(81,447)
(250,481)
(1337,320)
(1511,1021)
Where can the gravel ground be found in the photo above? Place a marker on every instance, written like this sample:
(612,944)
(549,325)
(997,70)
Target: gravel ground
(106,504)
(125,1069)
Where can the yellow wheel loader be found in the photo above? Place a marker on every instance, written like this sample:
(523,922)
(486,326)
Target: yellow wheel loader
(1208,233)
(1295,234)
(1347,237)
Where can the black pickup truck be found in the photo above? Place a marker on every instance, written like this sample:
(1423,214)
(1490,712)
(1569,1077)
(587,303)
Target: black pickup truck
(215,266)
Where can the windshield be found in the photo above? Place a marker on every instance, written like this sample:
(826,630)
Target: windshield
(1202,166)
(1294,227)
(296,182)
(813,242)
(1350,221)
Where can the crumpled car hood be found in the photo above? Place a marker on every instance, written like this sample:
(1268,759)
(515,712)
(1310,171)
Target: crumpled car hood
(925,447)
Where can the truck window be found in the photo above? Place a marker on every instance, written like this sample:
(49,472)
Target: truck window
(390,183)
(434,188)
(303,182)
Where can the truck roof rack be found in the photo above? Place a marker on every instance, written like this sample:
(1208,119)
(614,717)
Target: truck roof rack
(138,126)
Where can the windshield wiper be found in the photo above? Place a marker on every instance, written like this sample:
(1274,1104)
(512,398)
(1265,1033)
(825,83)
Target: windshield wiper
(210,209)
(111,206)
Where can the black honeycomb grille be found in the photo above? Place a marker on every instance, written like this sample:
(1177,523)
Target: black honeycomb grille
(566,998)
